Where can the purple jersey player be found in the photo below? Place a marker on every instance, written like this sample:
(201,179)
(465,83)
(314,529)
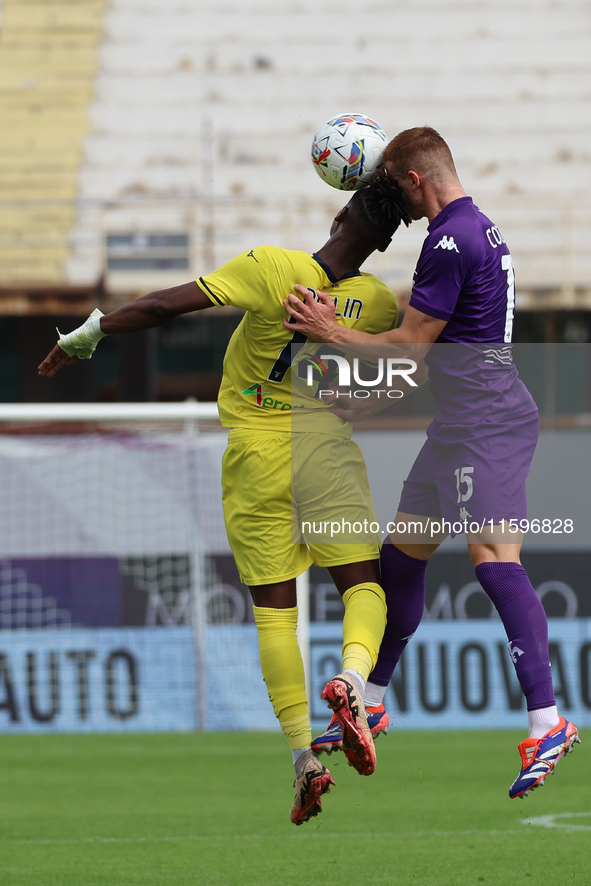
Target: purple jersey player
(474,463)
(487,426)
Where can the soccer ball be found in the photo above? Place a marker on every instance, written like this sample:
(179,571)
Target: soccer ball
(348,150)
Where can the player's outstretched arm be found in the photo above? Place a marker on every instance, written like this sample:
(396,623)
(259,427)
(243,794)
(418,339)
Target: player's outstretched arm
(317,320)
(146,312)
(155,309)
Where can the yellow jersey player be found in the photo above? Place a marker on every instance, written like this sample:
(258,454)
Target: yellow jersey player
(255,403)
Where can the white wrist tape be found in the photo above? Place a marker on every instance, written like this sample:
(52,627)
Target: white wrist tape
(82,342)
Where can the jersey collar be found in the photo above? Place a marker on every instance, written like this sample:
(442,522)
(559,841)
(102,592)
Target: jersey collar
(444,214)
(332,277)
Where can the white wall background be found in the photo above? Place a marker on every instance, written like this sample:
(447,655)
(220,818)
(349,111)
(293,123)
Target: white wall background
(204,115)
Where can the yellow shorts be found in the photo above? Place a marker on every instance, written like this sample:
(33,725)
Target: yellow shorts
(291,500)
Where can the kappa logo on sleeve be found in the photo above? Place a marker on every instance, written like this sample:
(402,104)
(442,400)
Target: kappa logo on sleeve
(447,243)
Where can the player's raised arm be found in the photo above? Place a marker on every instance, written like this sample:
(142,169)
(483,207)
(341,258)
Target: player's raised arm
(150,310)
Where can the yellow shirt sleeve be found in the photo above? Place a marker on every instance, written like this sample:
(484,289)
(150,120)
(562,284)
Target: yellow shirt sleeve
(242,282)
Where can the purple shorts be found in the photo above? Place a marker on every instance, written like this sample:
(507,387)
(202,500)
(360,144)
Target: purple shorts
(472,473)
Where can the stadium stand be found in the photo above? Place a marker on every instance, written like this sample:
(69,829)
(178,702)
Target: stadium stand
(48,58)
(203,118)
(153,141)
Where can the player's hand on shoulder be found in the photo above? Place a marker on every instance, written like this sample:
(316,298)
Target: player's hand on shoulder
(315,317)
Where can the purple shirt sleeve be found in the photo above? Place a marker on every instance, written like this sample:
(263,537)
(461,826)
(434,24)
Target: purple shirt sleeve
(440,273)
(464,276)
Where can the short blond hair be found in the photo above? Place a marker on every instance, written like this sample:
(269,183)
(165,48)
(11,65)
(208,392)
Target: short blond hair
(423,150)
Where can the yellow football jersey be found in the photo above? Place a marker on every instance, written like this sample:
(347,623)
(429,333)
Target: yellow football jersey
(256,386)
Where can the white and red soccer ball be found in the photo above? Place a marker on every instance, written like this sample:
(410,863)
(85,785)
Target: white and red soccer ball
(348,150)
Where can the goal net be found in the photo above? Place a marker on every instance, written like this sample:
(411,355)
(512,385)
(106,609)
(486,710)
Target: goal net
(120,606)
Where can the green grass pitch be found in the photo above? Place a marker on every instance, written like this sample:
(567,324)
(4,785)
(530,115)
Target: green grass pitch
(213,810)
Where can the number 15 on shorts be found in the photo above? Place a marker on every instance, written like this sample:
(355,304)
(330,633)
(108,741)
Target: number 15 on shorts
(464,483)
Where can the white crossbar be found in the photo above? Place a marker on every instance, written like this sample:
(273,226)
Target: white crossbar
(186,410)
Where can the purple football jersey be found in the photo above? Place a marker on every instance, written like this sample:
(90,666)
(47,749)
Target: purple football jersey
(465,276)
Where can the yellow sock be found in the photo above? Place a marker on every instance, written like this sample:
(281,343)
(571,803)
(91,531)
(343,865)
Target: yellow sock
(283,672)
(363,626)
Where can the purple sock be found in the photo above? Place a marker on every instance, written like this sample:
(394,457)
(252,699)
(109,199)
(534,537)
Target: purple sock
(524,618)
(403,580)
